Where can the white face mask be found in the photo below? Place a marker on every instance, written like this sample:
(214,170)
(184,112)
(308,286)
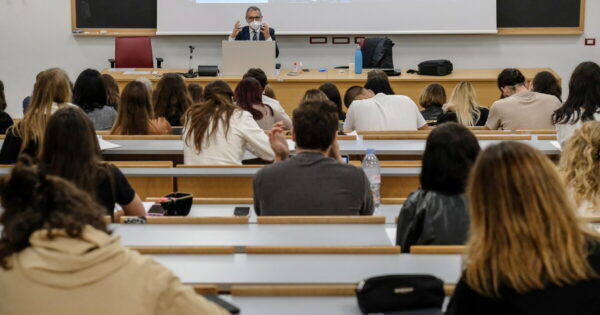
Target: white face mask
(255,25)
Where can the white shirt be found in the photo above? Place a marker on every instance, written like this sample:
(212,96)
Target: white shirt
(565,131)
(276,106)
(228,149)
(384,113)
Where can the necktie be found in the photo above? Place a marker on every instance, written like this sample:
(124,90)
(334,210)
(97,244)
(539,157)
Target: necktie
(255,36)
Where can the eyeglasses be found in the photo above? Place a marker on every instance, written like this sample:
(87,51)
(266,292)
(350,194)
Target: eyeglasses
(254,18)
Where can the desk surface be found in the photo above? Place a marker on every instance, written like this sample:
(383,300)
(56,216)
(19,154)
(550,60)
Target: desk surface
(477,74)
(389,211)
(306,269)
(382,147)
(255,235)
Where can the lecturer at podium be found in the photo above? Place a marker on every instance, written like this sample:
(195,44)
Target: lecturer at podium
(256,30)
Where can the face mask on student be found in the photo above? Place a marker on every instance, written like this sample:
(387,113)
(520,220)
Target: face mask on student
(255,25)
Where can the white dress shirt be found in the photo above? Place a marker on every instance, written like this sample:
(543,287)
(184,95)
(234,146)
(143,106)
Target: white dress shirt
(384,113)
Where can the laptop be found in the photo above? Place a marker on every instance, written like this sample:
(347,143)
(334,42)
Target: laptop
(239,56)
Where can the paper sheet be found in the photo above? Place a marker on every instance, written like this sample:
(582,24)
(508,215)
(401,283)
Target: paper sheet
(105,145)
(291,145)
(391,234)
(556,144)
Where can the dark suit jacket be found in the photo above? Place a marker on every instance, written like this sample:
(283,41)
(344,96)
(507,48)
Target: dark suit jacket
(245,35)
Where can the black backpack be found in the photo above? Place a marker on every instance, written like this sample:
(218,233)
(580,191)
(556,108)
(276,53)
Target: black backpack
(439,67)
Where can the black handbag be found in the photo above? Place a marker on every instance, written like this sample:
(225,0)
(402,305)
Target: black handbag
(395,293)
(440,67)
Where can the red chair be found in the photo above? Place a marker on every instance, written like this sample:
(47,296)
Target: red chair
(134,52)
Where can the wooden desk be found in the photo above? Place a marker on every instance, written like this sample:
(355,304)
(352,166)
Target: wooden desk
(290,89)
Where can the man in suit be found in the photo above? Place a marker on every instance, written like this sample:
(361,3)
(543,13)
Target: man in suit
(256,30)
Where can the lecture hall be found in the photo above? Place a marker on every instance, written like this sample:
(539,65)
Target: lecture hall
(300,157)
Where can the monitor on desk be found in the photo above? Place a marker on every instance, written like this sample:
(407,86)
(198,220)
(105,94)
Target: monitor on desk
(239,56)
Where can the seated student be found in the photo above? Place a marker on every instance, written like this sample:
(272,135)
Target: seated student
(379,84)
(432,99)
(311,183)
(89,93)
(583,103)
(135,113)
(52,91)
(216,132)
(314,95)
(437,213)
(580,164)
(546,83)
(57,256)
(269,92)
(171,98)
(248,96)
(527,252)
(112,91)
(261,77)
(79,161)
(333,94)
(463,107)
(521,109)
(195,90)
(352,94)
(370,112)
(5,120)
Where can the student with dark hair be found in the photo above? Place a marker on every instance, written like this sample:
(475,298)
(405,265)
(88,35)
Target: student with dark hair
(583,103)
(546,83)
(89,93)
(171,98)
(333,94)
(195,91)
(5,120)
(381,112)
(352,94)
(57,256)
(79,161)
(315,184)
(216,132)
(248,96)
(136,114)
(527,252)
(112,91)
(437,214)
(521,109)
(379,84)
(261,77)
(432,99)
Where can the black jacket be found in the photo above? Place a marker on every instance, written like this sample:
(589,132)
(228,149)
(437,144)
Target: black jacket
(378,53)
(245,35)
(582,298)
(432,218)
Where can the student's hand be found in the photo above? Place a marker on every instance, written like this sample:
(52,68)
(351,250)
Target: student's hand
(278,142)
(236,29)
(265,30)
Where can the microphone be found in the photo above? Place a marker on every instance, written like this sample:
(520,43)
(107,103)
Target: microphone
(190,69)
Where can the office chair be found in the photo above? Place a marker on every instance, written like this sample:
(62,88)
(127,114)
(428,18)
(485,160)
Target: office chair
(134,52)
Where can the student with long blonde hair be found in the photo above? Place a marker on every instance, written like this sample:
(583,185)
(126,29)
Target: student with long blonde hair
(580,164)
(527,252)
(52,91)
(463,107)
(135,115)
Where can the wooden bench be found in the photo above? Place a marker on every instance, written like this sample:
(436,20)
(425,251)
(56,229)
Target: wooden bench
(148,186)
(437,250)
(300,290)
(424,137)
(320,220)
(191,220)
(337,250)
(184,250)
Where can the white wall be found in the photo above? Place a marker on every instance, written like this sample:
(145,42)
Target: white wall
(35,35)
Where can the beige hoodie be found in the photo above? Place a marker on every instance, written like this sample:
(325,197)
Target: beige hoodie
(92,275)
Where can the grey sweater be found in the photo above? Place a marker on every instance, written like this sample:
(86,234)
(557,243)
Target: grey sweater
(311,184)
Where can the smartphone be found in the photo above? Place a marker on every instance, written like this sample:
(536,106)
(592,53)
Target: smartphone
(241,211)
(346,159)
(156,211)
(222,303)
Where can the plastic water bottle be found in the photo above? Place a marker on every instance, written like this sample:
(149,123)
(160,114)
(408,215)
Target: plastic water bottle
(358,61)
(371,168)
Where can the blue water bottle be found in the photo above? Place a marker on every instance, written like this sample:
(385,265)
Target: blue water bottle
(358,61)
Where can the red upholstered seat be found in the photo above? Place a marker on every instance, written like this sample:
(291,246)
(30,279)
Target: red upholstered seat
(133,52)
